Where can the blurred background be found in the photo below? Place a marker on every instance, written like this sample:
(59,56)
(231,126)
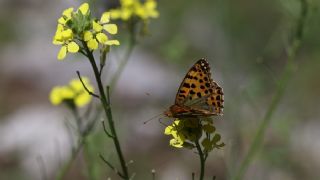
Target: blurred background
(244,41)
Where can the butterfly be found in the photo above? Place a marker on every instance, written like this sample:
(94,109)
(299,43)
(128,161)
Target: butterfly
(198,95)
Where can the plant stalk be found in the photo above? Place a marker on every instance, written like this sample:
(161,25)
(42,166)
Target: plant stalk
(202,159)
(292,51)
(108,112)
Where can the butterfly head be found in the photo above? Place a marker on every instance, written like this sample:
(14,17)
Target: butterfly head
(168,113)
(172,111)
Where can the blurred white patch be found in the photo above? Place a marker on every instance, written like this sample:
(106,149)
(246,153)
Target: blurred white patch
(144,74)
(305,144)
(175,171)
(38,134)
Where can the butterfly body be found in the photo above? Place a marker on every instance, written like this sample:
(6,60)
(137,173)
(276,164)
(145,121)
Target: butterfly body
(198,95)
(176,111)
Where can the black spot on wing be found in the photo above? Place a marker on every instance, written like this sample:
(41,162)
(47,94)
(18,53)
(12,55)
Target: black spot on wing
(186,85)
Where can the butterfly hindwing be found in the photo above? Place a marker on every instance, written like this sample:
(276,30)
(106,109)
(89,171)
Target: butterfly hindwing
(199,91)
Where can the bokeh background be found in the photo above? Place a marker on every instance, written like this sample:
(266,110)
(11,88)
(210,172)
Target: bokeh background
(245,42)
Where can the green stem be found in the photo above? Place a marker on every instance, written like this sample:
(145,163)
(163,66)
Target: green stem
(202,159)
(67,166)
(75,151)
(87,156)
(108,112)
(292,51)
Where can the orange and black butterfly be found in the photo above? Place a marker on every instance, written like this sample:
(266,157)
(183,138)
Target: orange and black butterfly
(198,95)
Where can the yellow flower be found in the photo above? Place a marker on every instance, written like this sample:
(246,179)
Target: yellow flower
(178,143)
(96,35)
(131,8)
(73,93)
(175,131)
(148,10)
(178,139)
(64,37)
(76,26)
(186,132)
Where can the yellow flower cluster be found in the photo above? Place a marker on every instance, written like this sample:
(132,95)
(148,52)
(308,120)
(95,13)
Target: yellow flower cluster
(75,27)
(186,132)
(95,36)
(183,131)
(73,93)
(134,8)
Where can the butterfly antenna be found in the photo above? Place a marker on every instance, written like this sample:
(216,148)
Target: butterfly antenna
(145,122)
(162,122)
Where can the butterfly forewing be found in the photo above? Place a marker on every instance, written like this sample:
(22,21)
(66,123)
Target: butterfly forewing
(199,91)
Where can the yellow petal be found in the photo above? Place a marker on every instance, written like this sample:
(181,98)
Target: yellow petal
(73,47)
(54,96)
(56,42)
(153,13)
(168,130)
(60,28)
(82,96)
(83,99)
(105,18)
(102,38)
(84,8)
(176,143)
(112,42)
(87,36)
(150,4)
(176,122)
(67,34)
(67,93)
(62,53)
(111,28)
(57,39)
(62,21)
(77,86)
(115,14)
(67,13)
(127,2)
(92,44)
(96,26)
(126,14)
(141,12)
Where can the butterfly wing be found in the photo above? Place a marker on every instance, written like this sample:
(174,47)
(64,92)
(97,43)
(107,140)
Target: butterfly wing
(199,92)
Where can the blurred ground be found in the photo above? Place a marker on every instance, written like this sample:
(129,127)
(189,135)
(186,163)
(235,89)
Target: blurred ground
(245,42)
